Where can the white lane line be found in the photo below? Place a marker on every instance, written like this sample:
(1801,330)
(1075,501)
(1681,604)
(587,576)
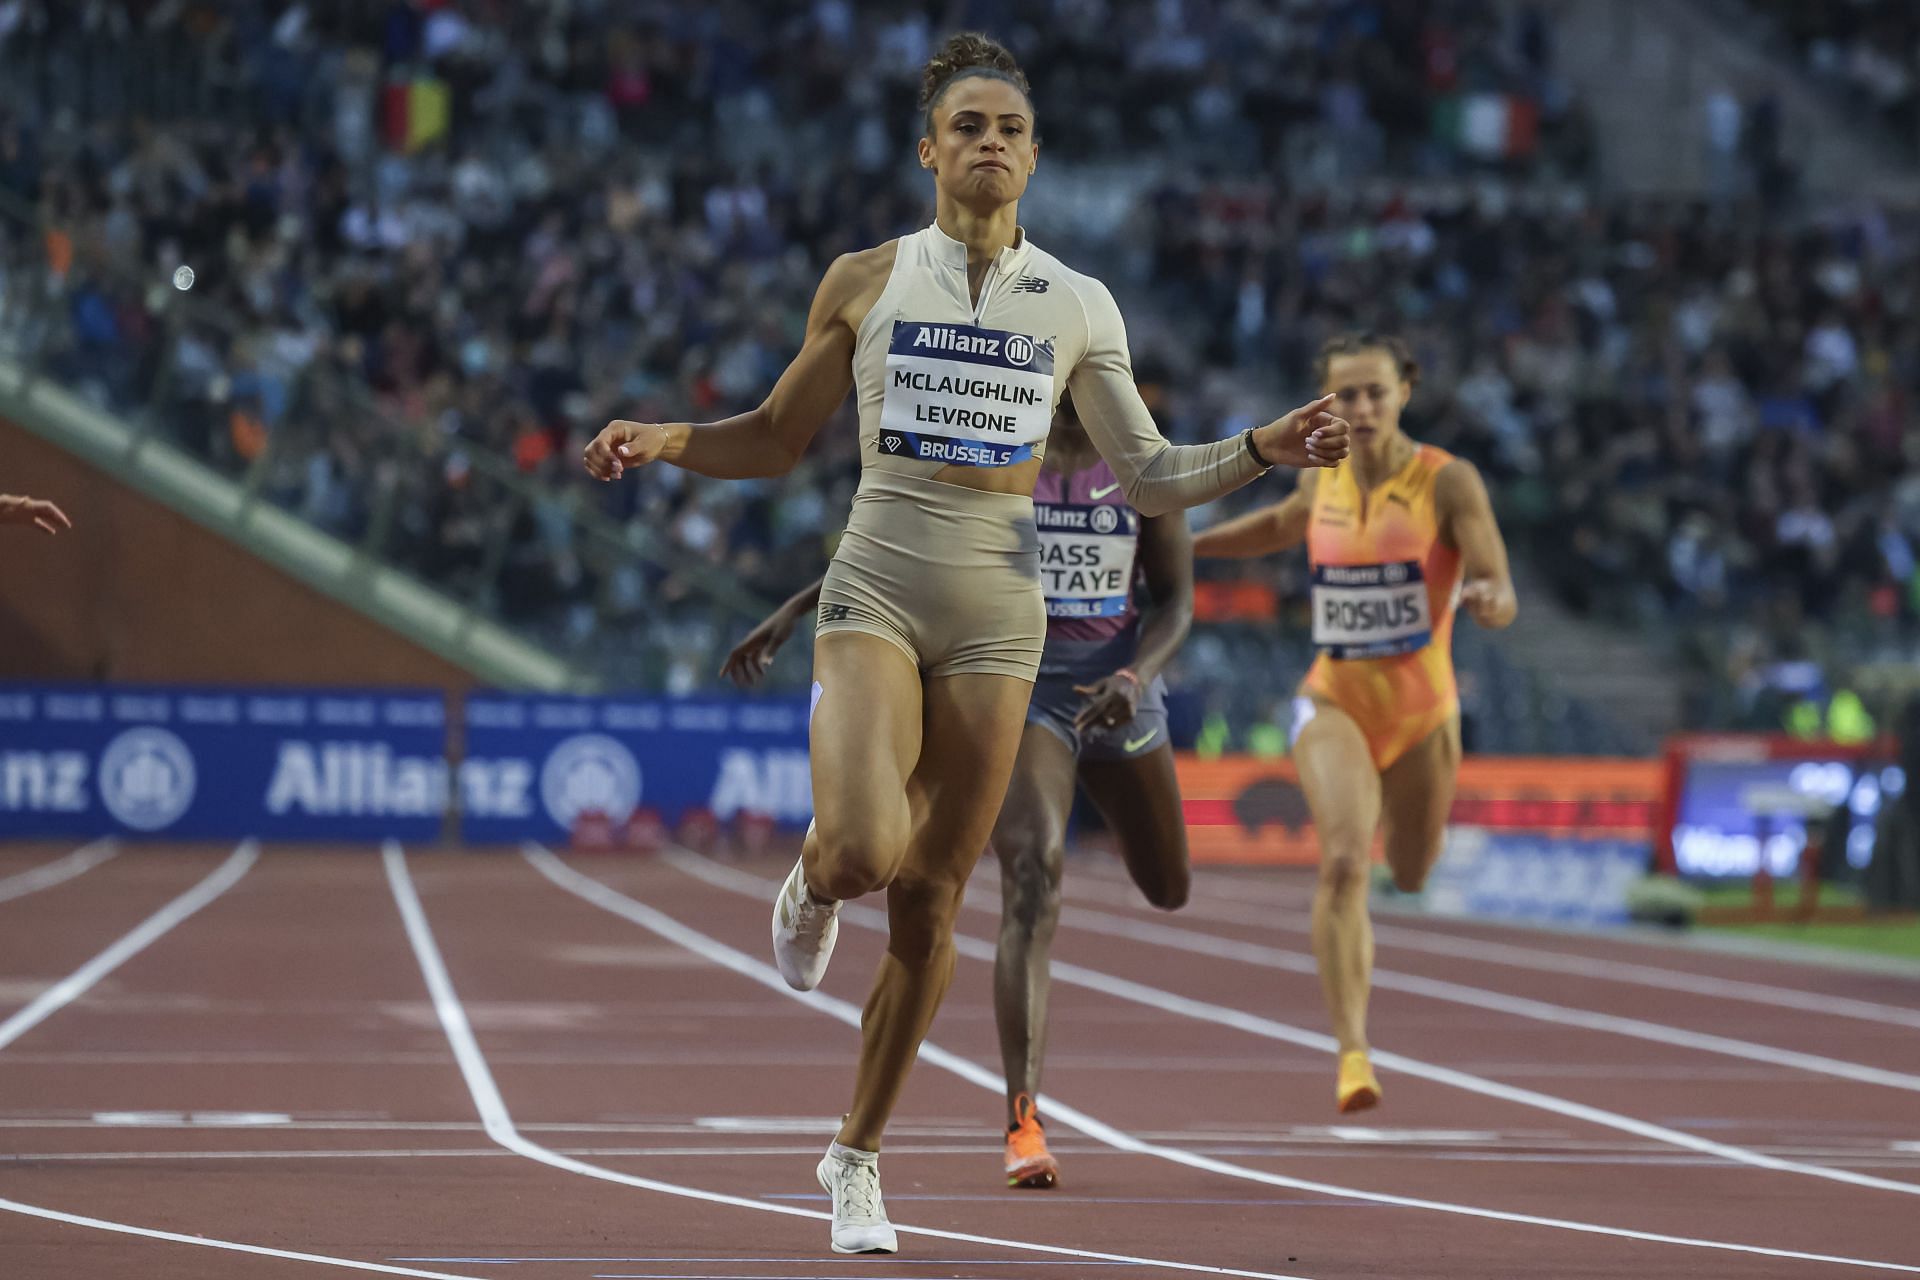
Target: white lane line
(1540,960)
(81,980)
(1198,943)
(666,926)
(59,871)
(891,1262)
(207,1242)
(499,1125)
(1205,1011)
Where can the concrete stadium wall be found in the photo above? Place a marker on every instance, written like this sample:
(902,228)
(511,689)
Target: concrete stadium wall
(137,592)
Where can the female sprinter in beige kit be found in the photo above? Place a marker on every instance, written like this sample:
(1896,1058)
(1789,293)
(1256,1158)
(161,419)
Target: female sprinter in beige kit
(957,340)
(1396,537)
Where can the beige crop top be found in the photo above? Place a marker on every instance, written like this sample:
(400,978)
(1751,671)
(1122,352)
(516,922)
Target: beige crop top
(943,382)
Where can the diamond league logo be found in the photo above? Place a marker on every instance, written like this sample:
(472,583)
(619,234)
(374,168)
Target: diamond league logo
(589,773)
(147,778)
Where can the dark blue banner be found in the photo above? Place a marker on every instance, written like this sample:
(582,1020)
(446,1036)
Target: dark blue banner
(192,763)
(535,767)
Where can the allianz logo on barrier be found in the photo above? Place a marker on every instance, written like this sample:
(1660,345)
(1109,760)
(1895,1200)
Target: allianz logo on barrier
(594,773)
(355,779)
(146,778)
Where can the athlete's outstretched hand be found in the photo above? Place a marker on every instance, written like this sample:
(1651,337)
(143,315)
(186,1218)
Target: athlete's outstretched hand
(624,444)
(752,656)
(1310,436)
(19,509)
(1110,700)
(1488,602)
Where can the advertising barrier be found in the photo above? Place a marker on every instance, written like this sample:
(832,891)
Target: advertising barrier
(537,767)
(1245,810)
(1729,796)
(1544,878)
(359,765)
(198,763)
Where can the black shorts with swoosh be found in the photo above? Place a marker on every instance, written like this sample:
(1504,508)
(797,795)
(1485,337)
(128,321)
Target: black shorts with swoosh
(1055,704)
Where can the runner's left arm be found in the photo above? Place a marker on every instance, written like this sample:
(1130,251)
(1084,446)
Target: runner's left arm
(1166,562)
(1467,525)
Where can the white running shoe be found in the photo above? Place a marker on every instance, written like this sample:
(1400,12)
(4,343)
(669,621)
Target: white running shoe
(803,932)
(859,1217)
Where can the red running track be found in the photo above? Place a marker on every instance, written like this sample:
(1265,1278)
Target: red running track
(483,1065)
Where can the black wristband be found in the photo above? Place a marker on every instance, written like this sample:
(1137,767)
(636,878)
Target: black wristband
(1253,450)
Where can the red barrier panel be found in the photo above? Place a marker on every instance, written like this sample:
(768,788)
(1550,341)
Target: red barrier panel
(1240,809)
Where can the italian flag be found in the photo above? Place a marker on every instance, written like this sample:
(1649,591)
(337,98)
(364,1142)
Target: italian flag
(1492,126)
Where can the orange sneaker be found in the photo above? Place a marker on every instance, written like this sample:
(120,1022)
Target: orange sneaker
(1357,1089)
(1028,1164)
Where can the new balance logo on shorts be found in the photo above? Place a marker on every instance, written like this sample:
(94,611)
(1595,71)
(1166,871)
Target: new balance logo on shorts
(835,612)
(1030,284)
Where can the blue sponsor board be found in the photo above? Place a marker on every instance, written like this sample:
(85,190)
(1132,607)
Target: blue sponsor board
(1719,827)
(1556,879)
(535,766)
(206,763)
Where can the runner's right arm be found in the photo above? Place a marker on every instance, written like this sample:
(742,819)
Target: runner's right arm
(768,440)
(753,655)
(19,509)
(1279,527)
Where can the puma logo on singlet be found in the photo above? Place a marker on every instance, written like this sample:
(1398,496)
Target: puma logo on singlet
(1030,284)
(1097,494)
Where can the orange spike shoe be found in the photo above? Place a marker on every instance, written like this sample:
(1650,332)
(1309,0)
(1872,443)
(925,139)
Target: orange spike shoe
(1028,1163)
(1357,1090)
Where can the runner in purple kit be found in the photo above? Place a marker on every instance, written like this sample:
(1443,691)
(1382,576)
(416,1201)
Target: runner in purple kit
(1098,714)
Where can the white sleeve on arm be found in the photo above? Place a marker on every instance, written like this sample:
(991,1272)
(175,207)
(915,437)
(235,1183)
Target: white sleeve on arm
(1159,478)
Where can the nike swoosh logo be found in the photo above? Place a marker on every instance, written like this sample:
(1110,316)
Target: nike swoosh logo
(1098,494)
(1134,744)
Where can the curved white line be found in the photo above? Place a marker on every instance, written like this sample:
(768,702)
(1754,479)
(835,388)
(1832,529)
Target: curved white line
(499,1125)
(739,882)
(1206,944)
(145,934)
(59,871)
(71,988)
(1626,972)
(230,1246)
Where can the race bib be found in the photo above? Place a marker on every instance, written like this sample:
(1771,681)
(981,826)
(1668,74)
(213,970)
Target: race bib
(1086,558)
(1370,610)
(963,395)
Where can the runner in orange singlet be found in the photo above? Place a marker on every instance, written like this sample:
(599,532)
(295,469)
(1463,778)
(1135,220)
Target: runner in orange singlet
(1398,536)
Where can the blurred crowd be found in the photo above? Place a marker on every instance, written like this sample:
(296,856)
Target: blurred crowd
(435,244)
(1869,49)
(1692,417)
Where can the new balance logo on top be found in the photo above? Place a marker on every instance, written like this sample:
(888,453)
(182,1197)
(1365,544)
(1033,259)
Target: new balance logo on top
(1030,284)
(835,612)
